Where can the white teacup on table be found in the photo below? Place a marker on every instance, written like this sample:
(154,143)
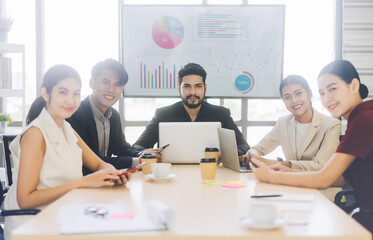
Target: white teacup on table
(263,216)
(161,170)
(263,213)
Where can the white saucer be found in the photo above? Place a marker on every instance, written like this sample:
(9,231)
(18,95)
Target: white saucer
(248,222)
(155,179)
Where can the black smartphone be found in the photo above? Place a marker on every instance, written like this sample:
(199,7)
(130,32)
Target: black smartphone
(162,148)
(256,166)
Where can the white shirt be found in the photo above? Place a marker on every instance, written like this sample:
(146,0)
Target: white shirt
(301,130)
(62,162)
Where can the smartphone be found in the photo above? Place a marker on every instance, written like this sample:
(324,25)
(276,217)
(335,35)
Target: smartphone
(256,166)
(162,148)
(133,169)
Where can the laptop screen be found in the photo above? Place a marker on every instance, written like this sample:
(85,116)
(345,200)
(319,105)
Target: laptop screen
(187,140)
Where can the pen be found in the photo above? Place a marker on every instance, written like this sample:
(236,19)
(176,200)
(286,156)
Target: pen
(265,196)
(19,212)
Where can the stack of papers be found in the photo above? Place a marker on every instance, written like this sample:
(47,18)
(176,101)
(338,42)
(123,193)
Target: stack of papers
(73,219)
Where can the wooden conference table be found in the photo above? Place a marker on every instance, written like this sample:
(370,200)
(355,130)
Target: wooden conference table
(203,211)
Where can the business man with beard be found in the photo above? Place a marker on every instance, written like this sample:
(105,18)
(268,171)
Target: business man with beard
(192,108)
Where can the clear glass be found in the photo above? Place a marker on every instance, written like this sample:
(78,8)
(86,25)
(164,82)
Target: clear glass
(80,34)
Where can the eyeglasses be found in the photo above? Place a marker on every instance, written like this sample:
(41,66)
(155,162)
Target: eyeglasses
(96,211)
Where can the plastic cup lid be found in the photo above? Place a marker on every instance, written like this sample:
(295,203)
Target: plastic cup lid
(207,160)
(148,155)
(211,149)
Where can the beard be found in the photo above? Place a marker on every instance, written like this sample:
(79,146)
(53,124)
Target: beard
(192,105)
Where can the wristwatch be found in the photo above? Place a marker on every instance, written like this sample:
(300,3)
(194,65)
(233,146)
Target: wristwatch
(280,159)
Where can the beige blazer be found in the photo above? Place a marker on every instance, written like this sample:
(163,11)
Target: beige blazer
(321,141)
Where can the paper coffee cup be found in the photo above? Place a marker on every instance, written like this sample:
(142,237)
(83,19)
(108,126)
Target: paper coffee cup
(208,168)
(212,153)
(149,158)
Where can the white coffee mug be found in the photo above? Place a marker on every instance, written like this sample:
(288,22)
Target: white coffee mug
(161,170)
(263,213)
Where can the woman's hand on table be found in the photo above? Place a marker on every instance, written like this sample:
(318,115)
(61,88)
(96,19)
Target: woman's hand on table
(280,167)
(262,172)
(105,177)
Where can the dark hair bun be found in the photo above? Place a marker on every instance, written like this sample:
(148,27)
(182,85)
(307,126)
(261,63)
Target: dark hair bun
(363,90)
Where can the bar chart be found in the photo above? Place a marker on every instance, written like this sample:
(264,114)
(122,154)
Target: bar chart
(162,76)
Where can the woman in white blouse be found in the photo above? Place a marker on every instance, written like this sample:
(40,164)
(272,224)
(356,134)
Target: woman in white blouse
(307,137)
(48,155)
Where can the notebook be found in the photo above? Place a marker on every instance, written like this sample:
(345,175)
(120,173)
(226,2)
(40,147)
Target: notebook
(228,150)
(187,140)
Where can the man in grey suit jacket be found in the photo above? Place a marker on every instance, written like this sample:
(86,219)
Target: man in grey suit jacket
(192,108)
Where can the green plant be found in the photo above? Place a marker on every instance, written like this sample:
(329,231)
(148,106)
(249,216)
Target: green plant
(5,24)
(5,117)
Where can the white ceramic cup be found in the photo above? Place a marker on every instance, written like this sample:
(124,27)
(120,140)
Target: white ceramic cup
(161,170)
(263,213)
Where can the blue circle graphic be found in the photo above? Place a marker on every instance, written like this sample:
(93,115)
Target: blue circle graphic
(244,82)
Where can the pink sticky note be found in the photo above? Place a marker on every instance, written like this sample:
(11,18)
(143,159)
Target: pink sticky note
(233,186)
(122,216)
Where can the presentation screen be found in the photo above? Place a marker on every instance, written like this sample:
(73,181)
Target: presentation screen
(240,47)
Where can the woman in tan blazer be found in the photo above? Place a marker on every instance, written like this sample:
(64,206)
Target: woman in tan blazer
(307,137)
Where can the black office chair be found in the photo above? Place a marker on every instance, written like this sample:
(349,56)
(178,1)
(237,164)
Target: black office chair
(6,140)
(347,194)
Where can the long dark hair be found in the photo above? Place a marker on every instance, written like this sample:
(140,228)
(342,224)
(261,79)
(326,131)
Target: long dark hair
(345,71)
(51,78)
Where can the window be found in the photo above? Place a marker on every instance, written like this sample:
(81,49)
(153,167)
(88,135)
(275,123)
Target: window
(80,34)
(23,32)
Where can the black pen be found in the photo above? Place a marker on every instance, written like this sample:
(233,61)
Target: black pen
(266,195)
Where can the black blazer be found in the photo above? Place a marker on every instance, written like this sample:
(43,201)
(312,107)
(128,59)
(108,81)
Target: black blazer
(84,124)
(177,113)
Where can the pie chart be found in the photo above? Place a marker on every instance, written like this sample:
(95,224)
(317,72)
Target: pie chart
(168,32)
(244,82)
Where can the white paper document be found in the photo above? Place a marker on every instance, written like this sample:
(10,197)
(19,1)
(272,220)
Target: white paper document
(73,219)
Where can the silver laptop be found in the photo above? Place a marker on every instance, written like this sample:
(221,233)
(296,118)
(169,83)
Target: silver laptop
(187,140)
(228,150)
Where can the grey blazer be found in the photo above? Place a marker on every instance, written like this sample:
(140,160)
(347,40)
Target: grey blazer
(321,141)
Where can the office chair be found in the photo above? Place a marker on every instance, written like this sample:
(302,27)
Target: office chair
(348,194)
(6,139)
(349,204)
